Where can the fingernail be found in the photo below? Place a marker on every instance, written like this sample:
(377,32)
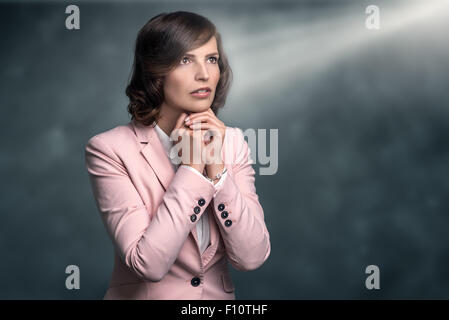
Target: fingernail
(187,119)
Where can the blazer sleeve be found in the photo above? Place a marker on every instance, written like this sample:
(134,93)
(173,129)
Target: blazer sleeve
(148,248)
(242,226)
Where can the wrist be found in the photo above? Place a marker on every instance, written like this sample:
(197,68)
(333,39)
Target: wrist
(214,173)
(213,169)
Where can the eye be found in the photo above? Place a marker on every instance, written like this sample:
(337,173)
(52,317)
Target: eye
(215,59)
(184,59)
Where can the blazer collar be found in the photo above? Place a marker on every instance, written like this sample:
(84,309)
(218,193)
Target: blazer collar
(154,152)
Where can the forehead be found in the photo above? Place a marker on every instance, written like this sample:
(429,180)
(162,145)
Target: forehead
(208,47)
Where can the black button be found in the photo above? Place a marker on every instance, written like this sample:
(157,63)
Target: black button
(224,214)
(221,207)
(197,209)
(193,218)
(228,223)
(195,281)
(201,202)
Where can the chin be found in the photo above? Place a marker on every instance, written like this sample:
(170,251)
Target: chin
(200,107)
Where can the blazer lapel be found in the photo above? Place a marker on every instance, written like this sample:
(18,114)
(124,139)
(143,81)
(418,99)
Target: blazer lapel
(154,153)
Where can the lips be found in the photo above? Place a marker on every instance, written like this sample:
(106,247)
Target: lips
(201,94)
(203,89)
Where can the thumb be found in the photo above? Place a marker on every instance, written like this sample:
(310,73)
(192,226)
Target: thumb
(180,121)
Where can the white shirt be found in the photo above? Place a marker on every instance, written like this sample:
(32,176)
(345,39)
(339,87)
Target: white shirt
(202,226)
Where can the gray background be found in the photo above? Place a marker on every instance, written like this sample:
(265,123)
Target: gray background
(363,141)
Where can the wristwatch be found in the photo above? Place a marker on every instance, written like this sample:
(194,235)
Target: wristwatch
(218,176)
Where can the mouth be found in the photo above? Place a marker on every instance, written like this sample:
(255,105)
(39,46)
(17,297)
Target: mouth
(201,93)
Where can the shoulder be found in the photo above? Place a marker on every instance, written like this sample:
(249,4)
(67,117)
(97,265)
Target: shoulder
(116,138)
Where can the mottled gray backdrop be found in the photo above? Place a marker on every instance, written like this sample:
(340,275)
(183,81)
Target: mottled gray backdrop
(363,119)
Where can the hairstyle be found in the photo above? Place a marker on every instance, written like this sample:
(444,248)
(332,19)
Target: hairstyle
(159,47)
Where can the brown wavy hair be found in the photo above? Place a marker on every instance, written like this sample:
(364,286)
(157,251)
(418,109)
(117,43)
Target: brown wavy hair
(159,47)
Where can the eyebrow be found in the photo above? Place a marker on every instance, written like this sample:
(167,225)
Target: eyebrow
(210,54)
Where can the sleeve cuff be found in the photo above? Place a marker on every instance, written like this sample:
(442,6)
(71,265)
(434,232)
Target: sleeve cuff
(217,185)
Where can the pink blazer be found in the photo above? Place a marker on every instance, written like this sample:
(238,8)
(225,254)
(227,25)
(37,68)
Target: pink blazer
(150,213)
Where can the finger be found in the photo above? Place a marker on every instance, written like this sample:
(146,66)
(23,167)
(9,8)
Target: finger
(194,114)
(202,126)
(191,132)
(210,132)
(211,123)
(201,118)
(180,121)
(212,113)
(199,114)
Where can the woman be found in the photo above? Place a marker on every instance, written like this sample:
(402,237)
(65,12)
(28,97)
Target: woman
(174,227)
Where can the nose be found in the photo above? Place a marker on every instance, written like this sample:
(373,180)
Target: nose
(202,72)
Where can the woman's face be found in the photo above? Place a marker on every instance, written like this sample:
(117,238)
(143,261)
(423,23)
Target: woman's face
(198,68)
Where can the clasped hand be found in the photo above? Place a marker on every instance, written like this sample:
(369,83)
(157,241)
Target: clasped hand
(198,140)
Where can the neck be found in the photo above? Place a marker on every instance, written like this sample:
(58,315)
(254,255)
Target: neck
(168,117)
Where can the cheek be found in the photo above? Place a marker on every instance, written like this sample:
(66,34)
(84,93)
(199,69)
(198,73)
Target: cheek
(175,86)
(216,75)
